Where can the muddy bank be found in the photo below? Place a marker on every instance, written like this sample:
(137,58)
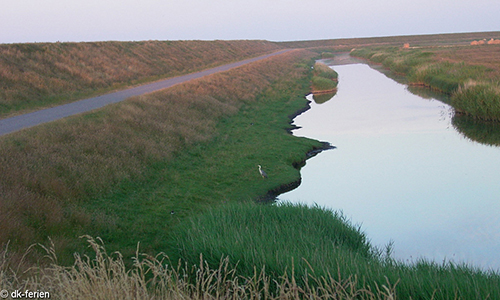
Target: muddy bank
(321,92)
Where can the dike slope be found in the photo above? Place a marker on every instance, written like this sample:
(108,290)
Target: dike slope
(40,75)
(16,123)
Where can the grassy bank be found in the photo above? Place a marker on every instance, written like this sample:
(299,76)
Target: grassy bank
(317,242)
(119,172)
(44,74)
(248,251)
(472,82)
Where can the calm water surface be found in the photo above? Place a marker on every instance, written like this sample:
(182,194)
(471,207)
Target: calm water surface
(402,171)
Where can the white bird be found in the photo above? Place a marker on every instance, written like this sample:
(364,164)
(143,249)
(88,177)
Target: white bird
(262,173)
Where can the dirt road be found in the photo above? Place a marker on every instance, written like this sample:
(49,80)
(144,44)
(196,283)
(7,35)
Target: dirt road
(16,123)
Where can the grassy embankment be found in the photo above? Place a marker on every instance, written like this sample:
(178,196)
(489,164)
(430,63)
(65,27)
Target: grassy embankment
(46,74)
(462,72)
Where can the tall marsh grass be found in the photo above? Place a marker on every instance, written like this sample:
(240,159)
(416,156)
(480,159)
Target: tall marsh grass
(275,236)
(326,262)
(105,276)
(481,99)
(313,241)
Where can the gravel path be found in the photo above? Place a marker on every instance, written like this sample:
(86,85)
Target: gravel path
(16,123)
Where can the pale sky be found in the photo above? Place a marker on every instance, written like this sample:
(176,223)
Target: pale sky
(274,20)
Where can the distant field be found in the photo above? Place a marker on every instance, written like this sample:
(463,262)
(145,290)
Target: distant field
(414,40)
(484,55)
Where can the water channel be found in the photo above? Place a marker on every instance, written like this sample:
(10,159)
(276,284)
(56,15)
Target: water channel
(402,171)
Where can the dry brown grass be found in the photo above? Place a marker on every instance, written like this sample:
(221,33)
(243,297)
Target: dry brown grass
(106,277)
(41,74)
(48,172)
(487,55)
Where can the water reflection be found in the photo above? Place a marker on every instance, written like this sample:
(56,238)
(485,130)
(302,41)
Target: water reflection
(402,171)
(429,94)
(487,133)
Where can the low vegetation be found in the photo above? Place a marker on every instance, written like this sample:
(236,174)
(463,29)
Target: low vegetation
(431,40)
(472,84)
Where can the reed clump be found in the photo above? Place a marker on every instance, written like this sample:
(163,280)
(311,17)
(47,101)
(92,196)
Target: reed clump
(324,79)
(471,80)
(480,99)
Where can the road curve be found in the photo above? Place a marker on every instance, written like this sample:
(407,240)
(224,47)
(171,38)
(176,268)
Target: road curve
(16,123)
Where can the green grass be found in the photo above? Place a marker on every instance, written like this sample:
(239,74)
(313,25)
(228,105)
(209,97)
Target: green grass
(212,173)
(318,242)
(118,172)
(275,236)
(220,170)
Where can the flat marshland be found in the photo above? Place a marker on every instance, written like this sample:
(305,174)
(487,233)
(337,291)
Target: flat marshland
(169,182)
(428,40)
